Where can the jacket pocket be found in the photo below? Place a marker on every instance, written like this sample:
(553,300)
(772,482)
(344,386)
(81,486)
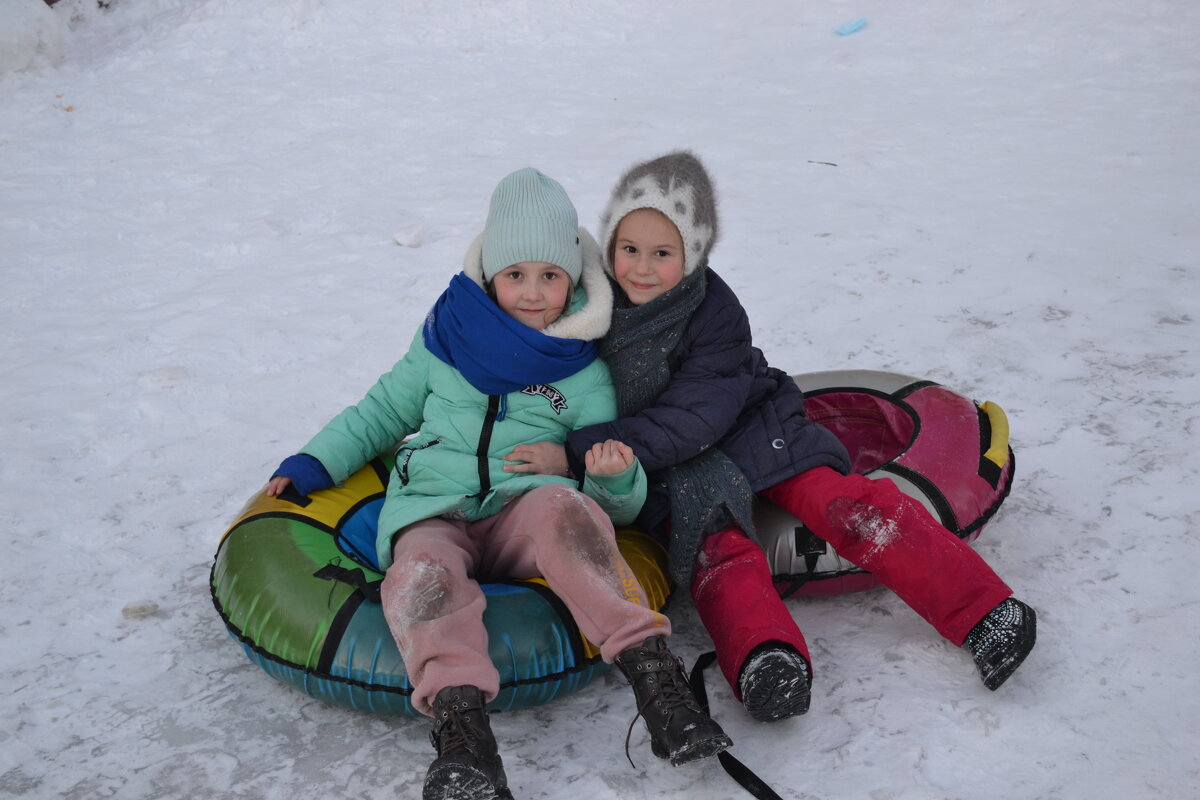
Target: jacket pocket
(404,456)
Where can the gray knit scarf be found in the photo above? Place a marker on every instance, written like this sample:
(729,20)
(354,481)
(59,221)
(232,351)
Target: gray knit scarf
(707,492)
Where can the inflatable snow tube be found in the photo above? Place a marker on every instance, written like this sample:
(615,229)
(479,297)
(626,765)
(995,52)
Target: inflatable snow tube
(939,447)
(296,582)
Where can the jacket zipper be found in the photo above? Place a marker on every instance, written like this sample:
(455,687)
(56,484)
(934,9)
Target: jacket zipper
(485,441)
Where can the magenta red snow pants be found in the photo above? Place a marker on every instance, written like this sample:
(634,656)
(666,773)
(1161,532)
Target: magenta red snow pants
(868,522)
(434,606)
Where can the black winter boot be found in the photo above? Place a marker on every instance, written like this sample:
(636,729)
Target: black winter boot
(775,682)
(1001,641)
(680,730)
(468,765)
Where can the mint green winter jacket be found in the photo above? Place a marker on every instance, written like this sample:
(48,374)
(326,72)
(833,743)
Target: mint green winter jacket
(440,469)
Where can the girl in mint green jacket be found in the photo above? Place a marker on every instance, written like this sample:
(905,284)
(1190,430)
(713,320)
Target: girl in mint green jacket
(507,356)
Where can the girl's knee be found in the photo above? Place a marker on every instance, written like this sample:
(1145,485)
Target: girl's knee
(417,588)
(573,523)
(884,494)
(877,513)
(726,554)
(728,545)
(569,505)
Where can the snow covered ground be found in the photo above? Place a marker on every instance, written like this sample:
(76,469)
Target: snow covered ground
(221,220)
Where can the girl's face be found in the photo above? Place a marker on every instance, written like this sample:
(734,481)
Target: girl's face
(533,293)
(647,255)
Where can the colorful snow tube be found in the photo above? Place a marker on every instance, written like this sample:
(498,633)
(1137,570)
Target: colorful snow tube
(939,447)
(296,582)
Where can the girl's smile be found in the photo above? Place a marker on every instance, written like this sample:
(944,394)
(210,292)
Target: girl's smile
(533,293)
(647,255)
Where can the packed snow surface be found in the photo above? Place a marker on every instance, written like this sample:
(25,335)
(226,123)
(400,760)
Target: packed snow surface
(221,220)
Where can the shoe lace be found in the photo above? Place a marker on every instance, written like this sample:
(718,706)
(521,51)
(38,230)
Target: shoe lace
(457,731)
(673,692)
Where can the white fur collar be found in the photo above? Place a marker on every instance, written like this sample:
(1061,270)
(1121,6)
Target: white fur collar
(588,323)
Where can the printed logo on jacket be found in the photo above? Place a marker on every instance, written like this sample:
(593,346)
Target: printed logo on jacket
(557,401)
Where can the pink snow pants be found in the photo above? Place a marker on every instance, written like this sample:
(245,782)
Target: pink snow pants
(434,605)
(870,523)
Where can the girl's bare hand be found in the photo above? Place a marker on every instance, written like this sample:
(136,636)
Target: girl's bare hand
(277,485)
(609,458)
(541,458)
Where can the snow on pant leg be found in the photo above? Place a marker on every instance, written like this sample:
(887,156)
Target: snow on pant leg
(435,611)
(562,535)
(879,528)
(738,604)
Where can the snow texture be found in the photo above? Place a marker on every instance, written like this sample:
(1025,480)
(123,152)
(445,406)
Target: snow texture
(31,35)
(202,210)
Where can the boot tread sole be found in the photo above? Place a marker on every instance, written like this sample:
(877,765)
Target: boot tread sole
(779,689)
(1025,642)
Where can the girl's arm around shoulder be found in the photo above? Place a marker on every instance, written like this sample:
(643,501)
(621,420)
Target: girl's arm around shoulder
(615,479)
(589,404)
(391,410)
(706,393)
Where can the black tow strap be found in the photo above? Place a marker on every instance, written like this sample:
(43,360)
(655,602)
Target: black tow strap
(742,774)
(353,577)
(807,544)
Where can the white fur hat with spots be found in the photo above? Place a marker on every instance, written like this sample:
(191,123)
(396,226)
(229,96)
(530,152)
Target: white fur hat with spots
(678,186)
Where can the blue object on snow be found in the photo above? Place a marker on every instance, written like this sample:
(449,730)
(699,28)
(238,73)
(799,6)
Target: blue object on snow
(851,27)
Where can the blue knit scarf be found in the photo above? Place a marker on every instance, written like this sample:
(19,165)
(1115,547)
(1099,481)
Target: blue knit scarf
(496,354)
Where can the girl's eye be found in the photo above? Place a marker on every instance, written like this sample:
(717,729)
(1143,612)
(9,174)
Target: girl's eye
(629,249)
(662,254)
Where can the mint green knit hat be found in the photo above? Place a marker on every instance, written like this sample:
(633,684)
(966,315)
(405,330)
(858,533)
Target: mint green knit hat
(531,219)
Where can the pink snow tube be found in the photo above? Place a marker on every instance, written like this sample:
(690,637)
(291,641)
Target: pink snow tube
(938,447)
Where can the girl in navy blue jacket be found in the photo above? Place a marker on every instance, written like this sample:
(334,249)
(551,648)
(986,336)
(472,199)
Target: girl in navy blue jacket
(713,424)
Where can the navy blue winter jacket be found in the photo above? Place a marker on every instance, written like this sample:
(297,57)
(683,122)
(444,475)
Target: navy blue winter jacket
(721,393)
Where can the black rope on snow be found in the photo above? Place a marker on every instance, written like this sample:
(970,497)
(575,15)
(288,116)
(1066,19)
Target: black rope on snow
(741,774)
